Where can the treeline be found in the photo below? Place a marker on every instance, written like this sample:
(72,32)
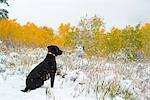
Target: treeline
(12,33)
(90,34)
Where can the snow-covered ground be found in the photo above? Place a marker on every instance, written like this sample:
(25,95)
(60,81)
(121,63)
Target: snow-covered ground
(78,78)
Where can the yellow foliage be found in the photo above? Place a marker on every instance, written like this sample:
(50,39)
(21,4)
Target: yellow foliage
(90,34)
(114,38)
(101,44)
(63,29)
(145,38)
(29,34)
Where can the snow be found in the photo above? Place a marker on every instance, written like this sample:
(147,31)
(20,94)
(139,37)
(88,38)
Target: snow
(13,84)
(78,78)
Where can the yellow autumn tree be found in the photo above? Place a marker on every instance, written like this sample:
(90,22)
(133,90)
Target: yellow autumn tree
(115,40)
(63,30)
(12,33)
(101,44)
(145,39)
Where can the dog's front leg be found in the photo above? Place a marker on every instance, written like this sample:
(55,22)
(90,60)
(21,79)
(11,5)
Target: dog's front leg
(52,75)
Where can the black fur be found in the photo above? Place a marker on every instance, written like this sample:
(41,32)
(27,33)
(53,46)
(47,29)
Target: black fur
(45,70)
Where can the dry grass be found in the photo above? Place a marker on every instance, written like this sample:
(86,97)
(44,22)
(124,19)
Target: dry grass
(104,77)
(134,75)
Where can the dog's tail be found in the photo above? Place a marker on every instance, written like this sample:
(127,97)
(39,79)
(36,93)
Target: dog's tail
(25,90)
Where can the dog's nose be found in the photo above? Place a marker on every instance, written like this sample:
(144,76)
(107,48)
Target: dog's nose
(60,52)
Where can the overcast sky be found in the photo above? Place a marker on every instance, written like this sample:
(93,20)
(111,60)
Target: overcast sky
(53,12)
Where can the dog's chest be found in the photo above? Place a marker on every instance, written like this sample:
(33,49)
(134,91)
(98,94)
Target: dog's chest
(52,65)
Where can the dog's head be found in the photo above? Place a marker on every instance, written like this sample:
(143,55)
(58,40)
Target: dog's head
(54,50)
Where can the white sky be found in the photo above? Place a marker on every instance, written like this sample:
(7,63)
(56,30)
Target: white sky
(53,12)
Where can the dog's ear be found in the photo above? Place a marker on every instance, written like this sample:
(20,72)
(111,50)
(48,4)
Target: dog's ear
(52,49)
(49,48)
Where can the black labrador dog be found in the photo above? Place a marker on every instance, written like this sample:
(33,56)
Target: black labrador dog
(45,70)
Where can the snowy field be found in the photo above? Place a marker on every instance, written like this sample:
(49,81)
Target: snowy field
(78,78)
